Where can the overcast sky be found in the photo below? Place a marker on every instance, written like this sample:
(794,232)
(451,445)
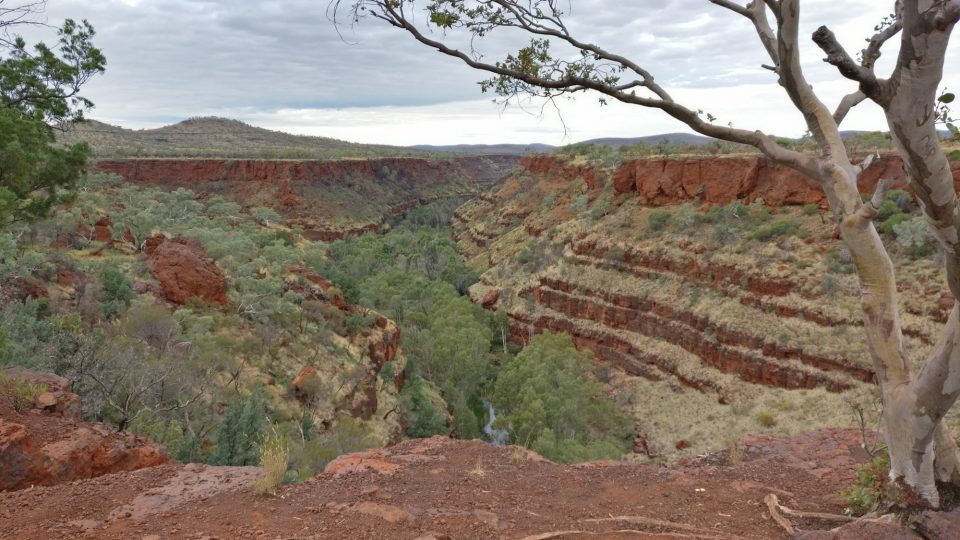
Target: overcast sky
(282,65)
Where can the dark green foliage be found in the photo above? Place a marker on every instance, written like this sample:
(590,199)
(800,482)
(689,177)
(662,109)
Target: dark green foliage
(44,83)
(658,220)
(359,322)
(871,486)
(887,210)
(579,204)
(425,419)
(238,434)
(117,291)
(553,405)
(601,208)
(35,176)
(40,87)
(431,253)
(37,340)
(840,260)
(724,233)
(435,215)
(889,225)
(778,229)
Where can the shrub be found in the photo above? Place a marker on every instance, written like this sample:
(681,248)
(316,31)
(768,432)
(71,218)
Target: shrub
(887,209)
(840,260)
(914,234)
(580,204)
(829,285)
(779,228)
(810,209)
(274,457)
(117,291)
(901,198)
(239,434)
(724,234)
(602,207)
(889,226)
(870,488)
(766,419)
(359,322)
(546,396)
(20,392)
(658,220)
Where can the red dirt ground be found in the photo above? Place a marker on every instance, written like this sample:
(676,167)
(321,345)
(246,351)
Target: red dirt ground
(442,488)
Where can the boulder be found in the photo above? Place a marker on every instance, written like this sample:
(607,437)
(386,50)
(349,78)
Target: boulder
(184,271)
(56,399)
(49,444)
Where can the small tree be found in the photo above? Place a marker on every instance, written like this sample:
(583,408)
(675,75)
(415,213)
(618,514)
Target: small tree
(117,291)
(40,87)
(556,62)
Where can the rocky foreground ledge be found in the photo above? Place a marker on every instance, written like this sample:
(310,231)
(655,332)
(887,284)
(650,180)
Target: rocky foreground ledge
(441,488)
(45,442)
(64,478)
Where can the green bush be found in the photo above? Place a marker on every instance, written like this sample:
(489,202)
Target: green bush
(20,392)
(810,209)
(724,233)
(889,225)
(601,208)
(117,291)
(777,229)
(240,433)
(914,234)
(658,220)
(548,399)
(425,420)
(870,488)
(887,210)
(580,204)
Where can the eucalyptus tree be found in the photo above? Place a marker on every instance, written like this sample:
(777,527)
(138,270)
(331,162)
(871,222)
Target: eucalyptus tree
(556,62)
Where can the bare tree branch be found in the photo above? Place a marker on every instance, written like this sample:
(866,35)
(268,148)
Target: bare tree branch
(845,64)
(848,102)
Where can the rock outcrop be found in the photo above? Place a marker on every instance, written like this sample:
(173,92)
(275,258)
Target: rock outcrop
(722,179)
(47,443)
(184,271)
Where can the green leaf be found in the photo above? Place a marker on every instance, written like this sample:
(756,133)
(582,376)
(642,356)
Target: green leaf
(947,98)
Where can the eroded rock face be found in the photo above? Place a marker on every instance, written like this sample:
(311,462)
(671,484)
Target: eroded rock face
(721,180)
(48,444)
(386,186)
(185,271)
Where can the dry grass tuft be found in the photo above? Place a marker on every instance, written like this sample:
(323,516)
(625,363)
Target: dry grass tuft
(274,456)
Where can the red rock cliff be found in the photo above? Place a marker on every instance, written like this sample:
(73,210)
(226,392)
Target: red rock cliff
(722,179)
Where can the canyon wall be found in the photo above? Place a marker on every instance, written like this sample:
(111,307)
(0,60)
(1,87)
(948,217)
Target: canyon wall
(329,199)
(701,305)
(715,179)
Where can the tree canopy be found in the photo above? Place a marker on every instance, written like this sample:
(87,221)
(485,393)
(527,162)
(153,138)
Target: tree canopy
(40,88)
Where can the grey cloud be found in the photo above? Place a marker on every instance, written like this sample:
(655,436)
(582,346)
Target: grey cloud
(174,58)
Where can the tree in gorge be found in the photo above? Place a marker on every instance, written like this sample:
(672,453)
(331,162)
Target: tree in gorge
(39,89)
(556,62)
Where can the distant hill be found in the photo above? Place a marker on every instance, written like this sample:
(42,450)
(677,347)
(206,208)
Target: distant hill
(219,137)
(498,149)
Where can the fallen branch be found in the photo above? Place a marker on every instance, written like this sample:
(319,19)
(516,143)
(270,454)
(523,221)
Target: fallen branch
(812,515)
(606,534)
(661,524)
(774,508)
